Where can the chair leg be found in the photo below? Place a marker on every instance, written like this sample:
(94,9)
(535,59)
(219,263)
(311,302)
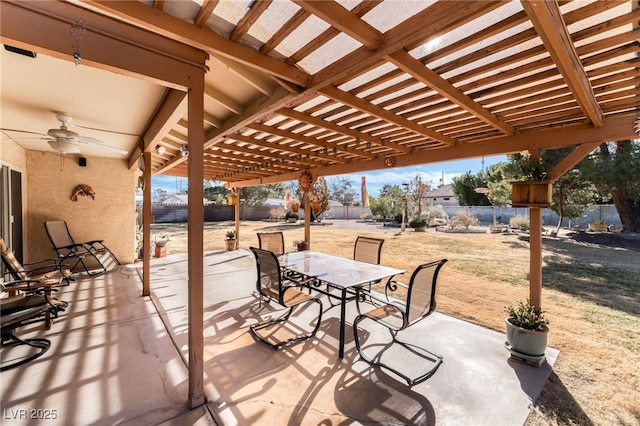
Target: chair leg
(411,381)
(254,328)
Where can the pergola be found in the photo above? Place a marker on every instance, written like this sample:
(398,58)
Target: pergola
(262,91)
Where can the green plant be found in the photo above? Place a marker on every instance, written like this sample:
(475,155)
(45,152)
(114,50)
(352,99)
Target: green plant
(230,235)
(529,168)
(300,245)
(418,222)
(527,316)
(292,215)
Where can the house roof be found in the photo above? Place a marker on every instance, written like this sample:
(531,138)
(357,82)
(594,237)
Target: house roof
(179,200)
(332,87)
(443,191)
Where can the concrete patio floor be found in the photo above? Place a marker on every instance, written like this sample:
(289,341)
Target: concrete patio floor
(119,358)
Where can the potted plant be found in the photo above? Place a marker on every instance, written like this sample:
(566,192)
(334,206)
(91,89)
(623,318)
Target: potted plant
(161,245)
(295,204)
(300,245)
(419,224)
(292,217)
(230,240)
(527,330)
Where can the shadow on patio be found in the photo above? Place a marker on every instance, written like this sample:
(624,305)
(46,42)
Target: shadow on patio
(114,361)
(249,383)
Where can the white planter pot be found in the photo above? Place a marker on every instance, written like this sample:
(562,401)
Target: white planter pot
(527,342)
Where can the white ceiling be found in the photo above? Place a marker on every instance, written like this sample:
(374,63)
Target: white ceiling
(34,89)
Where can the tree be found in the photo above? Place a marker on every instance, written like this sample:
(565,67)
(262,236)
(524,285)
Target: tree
(389,203)
(216,193)
(464,187)
(416,190)
(614,168)
(257,195)
(571,194)
(498,182)
(341,189)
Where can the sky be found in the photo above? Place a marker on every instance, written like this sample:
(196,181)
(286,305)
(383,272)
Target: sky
(431,173)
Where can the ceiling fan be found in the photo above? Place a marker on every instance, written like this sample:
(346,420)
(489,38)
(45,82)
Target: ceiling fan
(67,141)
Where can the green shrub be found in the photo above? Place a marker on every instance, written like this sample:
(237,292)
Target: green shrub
(418,222)
(527,316)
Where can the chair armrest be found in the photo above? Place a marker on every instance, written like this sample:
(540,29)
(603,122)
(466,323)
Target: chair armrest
(392,286)
(28,286)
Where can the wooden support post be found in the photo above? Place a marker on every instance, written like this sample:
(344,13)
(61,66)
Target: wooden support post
(307,220)
(195,225)
(535,256)
(236,218)
(147,219)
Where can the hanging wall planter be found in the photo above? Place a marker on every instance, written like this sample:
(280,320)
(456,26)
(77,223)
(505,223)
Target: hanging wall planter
(532,193)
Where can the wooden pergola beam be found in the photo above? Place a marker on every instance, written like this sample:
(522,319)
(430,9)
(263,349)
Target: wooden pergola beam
(547,19)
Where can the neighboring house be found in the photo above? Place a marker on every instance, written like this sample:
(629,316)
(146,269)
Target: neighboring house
(180,200)
(274,202)
(442,196)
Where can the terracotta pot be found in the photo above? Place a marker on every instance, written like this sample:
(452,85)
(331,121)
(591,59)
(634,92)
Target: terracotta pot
(230,244)
(316,206)
(295,207)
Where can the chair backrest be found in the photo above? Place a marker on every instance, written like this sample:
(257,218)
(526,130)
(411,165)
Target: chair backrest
(367,249)
(11,262)
(421,296)
(272,241)
(58,233)
(269,281)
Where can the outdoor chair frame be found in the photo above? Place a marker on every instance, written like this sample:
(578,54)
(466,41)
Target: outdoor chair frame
(396,315)
(272,285)
(271,241)
(43,277)
(68,250)
(20,310)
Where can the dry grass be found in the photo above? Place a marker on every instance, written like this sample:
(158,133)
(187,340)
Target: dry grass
(590,296)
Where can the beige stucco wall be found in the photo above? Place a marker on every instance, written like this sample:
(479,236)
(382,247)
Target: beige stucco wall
(13,154)
(110,217)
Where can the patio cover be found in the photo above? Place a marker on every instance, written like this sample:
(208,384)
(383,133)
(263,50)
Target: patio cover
(340,87)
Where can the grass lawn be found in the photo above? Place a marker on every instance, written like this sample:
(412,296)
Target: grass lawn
(591,296)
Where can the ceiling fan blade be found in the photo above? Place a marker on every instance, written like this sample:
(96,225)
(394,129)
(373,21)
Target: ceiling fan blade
(65,118)
(24,131)
(95,142)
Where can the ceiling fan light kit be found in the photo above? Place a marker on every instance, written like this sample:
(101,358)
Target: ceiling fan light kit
(160,149)
(64,147)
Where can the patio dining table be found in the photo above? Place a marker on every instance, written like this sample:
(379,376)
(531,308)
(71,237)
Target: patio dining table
(336,272)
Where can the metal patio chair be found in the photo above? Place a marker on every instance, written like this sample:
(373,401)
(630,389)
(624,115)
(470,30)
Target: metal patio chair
(17,312)
(91,255)
(272,285)
(271,241)
(397,315)
(366,249)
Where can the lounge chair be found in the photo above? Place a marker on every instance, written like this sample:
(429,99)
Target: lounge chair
(43,277)
(17,311)
(93,256)
(273,286)
(397,315)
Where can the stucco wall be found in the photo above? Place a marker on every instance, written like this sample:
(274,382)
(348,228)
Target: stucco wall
(13,154)
(110,217)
